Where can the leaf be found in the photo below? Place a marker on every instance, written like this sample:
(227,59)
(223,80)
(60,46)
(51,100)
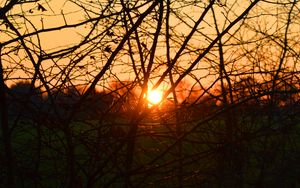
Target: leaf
(110,33)
(144,45)
(41,8)
(107,49)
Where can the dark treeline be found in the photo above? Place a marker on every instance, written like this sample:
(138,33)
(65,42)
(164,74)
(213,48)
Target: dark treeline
(26,100)
(33,102)
(253,142)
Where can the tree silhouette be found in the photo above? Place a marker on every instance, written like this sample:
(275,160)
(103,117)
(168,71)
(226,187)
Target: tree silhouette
(75,75)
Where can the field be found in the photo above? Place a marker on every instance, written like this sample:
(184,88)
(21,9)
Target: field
(216,147)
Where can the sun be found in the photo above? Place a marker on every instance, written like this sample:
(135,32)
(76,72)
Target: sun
(154,96)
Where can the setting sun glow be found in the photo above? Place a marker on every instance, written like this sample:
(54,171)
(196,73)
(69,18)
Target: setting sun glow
(154,96)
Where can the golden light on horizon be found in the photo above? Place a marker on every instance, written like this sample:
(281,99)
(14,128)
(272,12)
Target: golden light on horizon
(154,96)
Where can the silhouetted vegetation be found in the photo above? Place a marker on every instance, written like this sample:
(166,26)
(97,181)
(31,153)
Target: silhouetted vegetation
(252,144)
(75,77)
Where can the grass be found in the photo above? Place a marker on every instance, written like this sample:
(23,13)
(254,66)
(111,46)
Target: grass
(205,157)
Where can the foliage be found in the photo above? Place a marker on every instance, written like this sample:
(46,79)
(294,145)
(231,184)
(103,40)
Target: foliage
(75,75)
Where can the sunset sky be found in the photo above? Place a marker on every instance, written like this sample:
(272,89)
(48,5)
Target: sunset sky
(58,13)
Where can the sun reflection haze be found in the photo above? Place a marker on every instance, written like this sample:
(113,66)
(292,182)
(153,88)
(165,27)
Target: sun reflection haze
(154,96)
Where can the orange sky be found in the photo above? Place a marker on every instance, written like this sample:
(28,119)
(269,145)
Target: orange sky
(54,40)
